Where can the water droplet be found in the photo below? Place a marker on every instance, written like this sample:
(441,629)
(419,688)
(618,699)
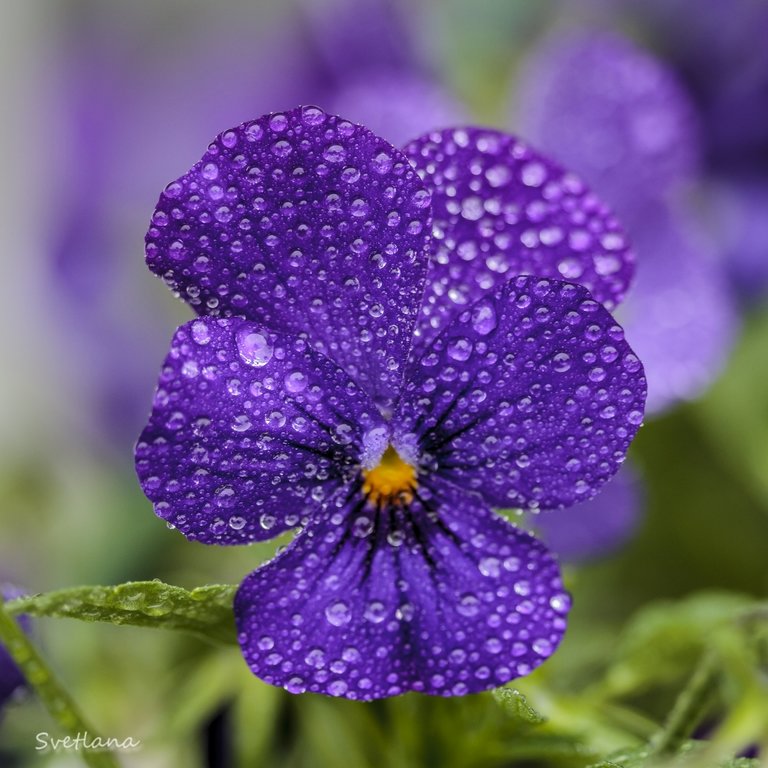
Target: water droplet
(253,346)
(460,349)
(375,612)
(468,605)
(296,382)
(338,614)
(484,319)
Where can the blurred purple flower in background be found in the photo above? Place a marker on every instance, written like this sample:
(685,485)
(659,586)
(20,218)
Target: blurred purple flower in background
(309,235)
(739,205)
(119,105)
(11,678)
(613,109)
(369,68)
(717,51)
(623,120)
(397,106)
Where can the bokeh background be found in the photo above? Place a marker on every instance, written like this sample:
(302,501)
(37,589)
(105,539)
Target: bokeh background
(661,105)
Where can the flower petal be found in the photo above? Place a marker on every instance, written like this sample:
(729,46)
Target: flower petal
(531,397)
(594,528)
(306,223)
(250,430)
(501,209)
(610,111)
(443,597)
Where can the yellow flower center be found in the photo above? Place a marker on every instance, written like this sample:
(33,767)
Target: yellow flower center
(391,482)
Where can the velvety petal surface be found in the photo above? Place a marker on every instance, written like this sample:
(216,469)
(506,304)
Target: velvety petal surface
(597,527)
(531,397)
(502,209)
(11,678)
(306,223)
(250,430)
(610,111)
(680,317)
(443,597)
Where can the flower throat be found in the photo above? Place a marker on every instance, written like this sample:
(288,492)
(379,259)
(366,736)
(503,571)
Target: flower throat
(391,482)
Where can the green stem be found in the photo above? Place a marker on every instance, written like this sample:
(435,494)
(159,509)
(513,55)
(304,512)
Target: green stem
(56,700)
(689,709)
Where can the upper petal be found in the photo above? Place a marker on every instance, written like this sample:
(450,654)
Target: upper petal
(531,397)
(502,209)
(307,223)
(443,597)
(250,431)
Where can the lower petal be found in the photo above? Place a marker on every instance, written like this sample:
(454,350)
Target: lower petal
(442,596)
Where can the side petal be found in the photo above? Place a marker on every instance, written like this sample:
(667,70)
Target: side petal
(442,597)
(530,397)
(502,209)
(249,431)
(306,223)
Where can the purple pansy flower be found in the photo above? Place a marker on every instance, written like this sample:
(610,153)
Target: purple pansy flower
(298,398)
(11,678)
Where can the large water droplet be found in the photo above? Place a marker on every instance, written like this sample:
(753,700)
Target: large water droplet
(253,346)
(338,614)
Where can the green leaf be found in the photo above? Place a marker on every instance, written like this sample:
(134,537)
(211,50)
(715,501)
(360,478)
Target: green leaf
(742,762)
(663,642)
(201,687)
(625,759)
(205,611)
(689,710)
(693,755)
(516,706)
